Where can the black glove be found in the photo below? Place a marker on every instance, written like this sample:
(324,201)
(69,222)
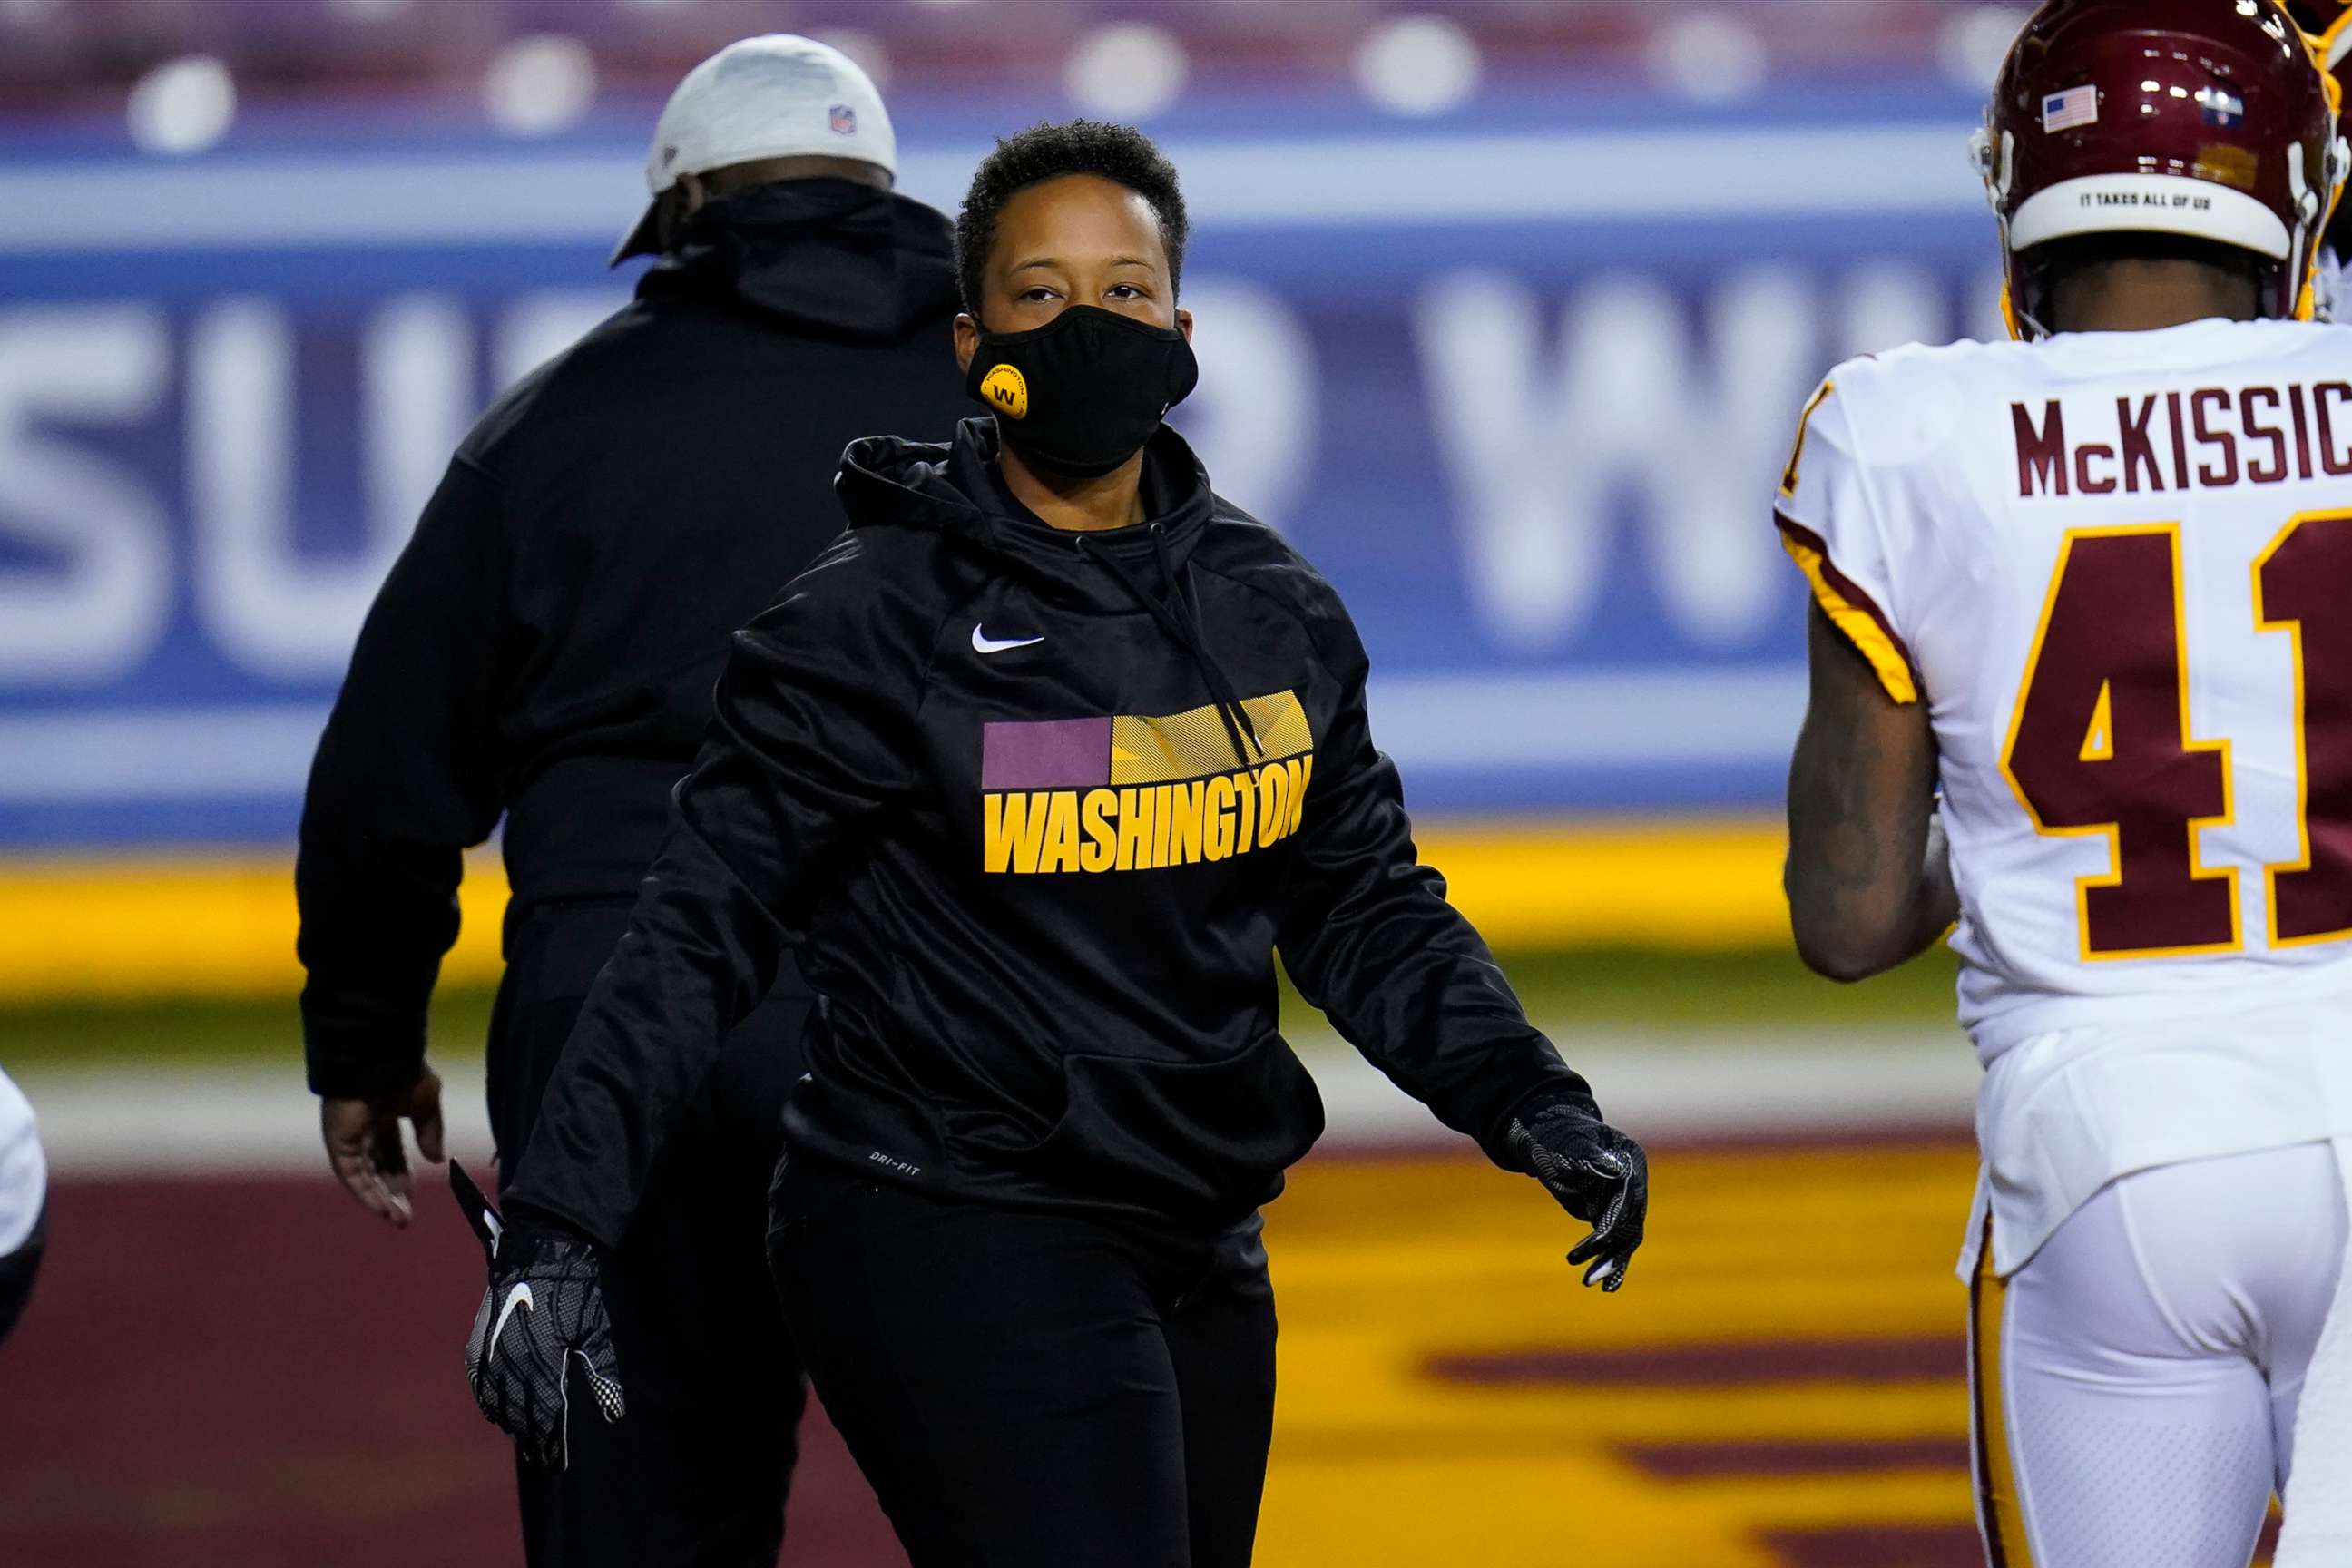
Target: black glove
(1598,1174)
(544,1311)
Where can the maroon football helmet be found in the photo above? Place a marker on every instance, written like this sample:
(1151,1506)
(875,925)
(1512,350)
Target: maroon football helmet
(2210,119)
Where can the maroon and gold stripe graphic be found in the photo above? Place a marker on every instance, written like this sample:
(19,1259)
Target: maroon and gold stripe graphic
(2000,1512)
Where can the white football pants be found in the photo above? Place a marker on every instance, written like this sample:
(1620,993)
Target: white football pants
(2136,1383)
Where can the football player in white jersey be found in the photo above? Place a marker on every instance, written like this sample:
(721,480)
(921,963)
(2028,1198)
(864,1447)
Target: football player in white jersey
(2095,588)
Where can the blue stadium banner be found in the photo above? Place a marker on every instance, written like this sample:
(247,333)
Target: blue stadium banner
(1520,390)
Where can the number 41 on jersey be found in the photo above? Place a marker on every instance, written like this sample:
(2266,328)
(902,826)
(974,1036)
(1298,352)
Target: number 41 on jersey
(2100,741)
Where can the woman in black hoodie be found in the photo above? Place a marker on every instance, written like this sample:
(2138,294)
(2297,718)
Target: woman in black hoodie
(1038,766)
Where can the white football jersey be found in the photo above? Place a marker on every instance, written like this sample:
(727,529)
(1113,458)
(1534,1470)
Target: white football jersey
(2117,569)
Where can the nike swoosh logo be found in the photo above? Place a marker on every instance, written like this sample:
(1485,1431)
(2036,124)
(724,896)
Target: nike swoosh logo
(983,643)
(517,1297)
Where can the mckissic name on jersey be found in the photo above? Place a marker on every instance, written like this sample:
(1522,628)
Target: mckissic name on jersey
(2117,569)
(2208,437)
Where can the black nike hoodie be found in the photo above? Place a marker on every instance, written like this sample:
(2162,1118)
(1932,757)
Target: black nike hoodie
(1041,808)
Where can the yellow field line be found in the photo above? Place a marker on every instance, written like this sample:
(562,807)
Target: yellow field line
(224,924)
(184,925)
(1648,883)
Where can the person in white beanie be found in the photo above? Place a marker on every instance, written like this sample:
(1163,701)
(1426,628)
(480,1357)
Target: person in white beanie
(544,653)
(760,111)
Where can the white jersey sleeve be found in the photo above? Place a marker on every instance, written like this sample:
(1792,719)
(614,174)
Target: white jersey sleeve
(1830,526)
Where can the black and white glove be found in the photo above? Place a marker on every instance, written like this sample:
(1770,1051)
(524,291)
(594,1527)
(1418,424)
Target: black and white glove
(541,1318)
(1598,1174)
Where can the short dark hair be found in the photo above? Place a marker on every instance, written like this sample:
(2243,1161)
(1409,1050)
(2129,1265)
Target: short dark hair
(1119,153)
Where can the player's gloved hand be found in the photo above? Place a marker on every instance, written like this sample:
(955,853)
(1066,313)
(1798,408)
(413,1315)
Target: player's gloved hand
(542,1320)
(1598,1174)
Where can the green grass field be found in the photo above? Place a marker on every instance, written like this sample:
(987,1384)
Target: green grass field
(1713,992)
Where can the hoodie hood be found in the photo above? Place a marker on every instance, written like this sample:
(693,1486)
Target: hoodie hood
(828,256)
(1146,566)
(948,488)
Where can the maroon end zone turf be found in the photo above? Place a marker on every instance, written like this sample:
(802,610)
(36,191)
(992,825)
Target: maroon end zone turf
(254,1373)
(250,1372)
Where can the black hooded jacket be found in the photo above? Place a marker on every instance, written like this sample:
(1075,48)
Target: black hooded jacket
(1041,808)
(546,645)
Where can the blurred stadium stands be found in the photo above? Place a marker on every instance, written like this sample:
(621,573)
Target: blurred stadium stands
(1506,307)
(83,54)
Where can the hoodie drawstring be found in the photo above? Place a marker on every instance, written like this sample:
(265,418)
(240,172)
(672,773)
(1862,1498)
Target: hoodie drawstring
(1184,630)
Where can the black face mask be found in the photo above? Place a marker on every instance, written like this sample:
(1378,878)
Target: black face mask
(1081,393)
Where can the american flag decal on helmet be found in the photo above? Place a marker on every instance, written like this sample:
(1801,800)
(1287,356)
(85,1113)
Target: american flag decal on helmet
(2076,106)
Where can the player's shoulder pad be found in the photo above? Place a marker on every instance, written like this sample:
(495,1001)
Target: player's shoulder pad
(1901,407)
(2327,345)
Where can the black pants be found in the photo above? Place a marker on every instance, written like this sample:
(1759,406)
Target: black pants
(696,1472)
(1034,1390)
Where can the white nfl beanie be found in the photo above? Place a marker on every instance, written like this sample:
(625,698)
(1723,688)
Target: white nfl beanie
(776,96)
